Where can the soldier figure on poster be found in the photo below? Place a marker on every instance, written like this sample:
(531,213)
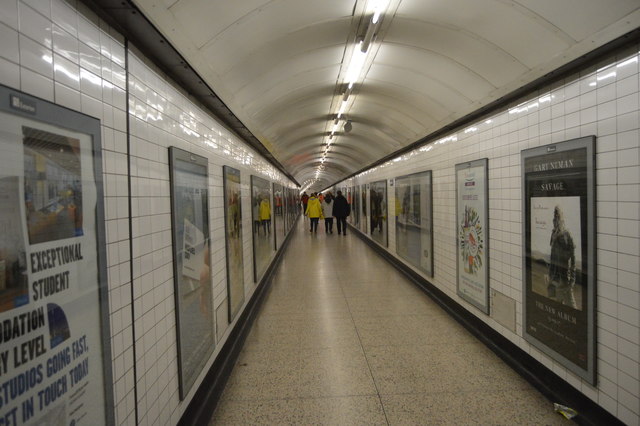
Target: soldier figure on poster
(562,265)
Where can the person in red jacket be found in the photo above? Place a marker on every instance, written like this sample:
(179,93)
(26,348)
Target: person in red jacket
(305,200)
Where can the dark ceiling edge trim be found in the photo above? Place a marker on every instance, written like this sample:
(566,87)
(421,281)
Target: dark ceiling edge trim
(586,60)
(128,20)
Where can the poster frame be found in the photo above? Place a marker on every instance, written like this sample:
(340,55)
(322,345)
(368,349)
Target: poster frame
(226,170)
(274,215)
(484,164)
(363,208)
(386,209)
(253,179)
(587,143)
(21,105)
(429,173)
(177,154)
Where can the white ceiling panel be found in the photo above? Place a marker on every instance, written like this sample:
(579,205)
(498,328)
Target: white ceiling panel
(291,47)
(291,76)
(274,22)
(201,21)
(460,46)
(280,65)
(519,32)
(581,18)
(436,66)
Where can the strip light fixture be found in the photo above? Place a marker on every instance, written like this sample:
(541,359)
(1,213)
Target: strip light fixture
(376,11)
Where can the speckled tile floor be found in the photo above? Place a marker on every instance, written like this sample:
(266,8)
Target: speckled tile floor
(344,339)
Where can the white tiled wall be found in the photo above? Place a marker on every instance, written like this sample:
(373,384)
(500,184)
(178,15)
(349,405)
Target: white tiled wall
(62,52)
(162,116)
(601,101)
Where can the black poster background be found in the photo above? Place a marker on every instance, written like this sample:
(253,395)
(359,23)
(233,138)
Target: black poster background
(560,327)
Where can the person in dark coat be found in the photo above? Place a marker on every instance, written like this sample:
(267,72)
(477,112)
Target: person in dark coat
(341,210)
(305,200)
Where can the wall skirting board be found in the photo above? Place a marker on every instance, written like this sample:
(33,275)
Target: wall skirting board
(206,398)
(543,379)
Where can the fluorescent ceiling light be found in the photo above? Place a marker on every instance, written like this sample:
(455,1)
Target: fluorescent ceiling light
(378,7)
(343,108)
(355,67)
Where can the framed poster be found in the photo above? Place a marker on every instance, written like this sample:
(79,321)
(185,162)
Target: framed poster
(278,219)
(55,355)
(355,209)
(191,264)
(233,233)
(559,264)
(472,233)
(363,206)
(287,206)
(263,245)
(378,209)
(414,223)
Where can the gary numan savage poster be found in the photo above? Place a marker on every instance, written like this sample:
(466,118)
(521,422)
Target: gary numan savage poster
(559,264)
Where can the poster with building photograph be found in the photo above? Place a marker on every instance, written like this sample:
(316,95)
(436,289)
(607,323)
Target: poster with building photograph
(55,358)
(414,224)
(472,233)
(233,233)
(558,253)
(191,264)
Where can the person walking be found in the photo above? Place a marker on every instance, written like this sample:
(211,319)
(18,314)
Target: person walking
(341,210)
(327,212)
(305,200)
(314,212)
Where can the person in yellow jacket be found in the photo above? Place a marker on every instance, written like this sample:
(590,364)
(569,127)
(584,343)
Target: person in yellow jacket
(314,212)
(265,214)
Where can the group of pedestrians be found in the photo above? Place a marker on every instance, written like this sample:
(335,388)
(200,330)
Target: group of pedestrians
(326,206)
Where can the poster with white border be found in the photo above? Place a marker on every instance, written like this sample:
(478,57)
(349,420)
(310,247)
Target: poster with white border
(55,359)
(472,233)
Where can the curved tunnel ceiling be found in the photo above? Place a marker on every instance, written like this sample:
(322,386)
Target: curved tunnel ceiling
(280,65)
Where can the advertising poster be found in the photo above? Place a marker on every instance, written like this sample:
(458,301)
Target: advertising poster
(233,232)
(349,197)
(191,263)
(378,216)
(355,209)
(558,252)
(278,222)
(363,206)
(472,233)
(263,245)
(414,224)
(55,359)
